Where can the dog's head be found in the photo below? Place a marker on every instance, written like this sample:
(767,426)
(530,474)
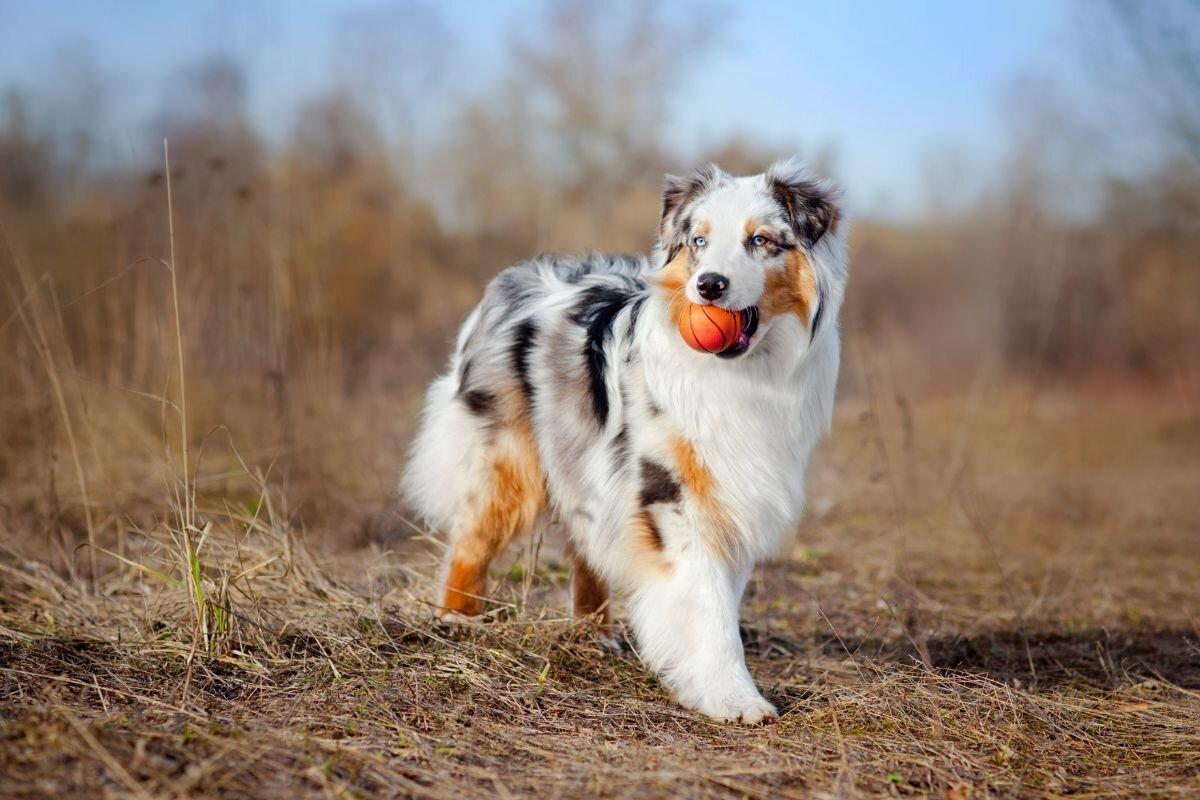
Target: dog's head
(761,244)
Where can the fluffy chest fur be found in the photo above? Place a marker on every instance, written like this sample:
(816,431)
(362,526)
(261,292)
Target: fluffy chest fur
(752,425)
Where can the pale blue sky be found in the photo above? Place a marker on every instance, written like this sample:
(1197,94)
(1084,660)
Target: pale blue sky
(883,82)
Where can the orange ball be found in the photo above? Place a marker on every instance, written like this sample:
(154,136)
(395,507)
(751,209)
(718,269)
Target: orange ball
(709,329)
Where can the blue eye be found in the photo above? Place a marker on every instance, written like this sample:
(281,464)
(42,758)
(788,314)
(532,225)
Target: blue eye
(759,240)
(699,241)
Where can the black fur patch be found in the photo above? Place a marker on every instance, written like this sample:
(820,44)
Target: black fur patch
(808,207)
(595,314)
(684,226)
(478,401)
(635,311)
(524,340)
(820,310)
(620,447)
(678,194)
(658,485)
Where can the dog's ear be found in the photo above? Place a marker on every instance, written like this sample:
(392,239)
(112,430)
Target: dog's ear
(811,206)
(679,194)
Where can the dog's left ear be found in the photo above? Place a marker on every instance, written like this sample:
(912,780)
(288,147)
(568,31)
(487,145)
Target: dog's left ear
(679,193)
(811,206)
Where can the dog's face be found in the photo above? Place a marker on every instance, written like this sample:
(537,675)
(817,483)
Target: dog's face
(745,244)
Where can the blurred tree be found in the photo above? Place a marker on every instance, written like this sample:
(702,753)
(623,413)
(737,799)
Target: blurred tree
(26,155)
(392,59)
(1150,54)
(77,104)
(578,122)
(601,78)
(335,136)
(1148,60)
(204,116)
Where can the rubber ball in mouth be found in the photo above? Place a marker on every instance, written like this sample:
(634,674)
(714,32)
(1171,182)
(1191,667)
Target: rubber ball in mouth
(709,329)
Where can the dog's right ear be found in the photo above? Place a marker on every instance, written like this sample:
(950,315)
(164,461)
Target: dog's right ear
(810,206)
(679,194)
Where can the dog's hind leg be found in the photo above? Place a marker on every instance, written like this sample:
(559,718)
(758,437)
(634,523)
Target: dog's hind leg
(507,502)
(473,473)
(589,592)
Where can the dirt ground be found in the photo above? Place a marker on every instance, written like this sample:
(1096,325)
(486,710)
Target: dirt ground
(994,595)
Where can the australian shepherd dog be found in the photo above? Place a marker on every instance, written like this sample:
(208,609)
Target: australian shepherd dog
(572,397)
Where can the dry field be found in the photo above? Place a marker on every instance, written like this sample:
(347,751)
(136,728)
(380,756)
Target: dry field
(208,590)
(996,594)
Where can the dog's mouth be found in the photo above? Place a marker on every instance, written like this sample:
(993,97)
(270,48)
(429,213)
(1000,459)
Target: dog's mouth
(746,331)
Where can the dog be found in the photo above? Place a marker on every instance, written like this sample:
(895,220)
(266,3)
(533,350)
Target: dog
(572,397)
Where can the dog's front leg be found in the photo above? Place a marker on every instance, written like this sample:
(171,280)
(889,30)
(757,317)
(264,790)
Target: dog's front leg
(685,619)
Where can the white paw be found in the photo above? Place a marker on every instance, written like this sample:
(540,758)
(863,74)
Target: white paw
(748,708)
(758,710)
(448,617)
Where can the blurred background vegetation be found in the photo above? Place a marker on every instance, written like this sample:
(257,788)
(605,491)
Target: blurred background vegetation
(323,266)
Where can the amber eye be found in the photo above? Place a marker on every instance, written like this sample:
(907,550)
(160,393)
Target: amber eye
(758,240)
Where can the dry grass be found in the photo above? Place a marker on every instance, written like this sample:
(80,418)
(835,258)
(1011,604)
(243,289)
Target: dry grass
(1023,627)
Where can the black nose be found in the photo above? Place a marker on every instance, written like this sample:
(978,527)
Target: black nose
(712,286)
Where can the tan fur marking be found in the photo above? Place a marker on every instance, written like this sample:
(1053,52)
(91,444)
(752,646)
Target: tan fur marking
(720,534)
(750,227)
(695,475)
(589,593)
(465,585)
(790,291)
(516,494)
(703,228)
(647,530)
(672,280)
(645,541)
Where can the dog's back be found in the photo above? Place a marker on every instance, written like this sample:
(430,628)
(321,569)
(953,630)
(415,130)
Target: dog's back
(479,416)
